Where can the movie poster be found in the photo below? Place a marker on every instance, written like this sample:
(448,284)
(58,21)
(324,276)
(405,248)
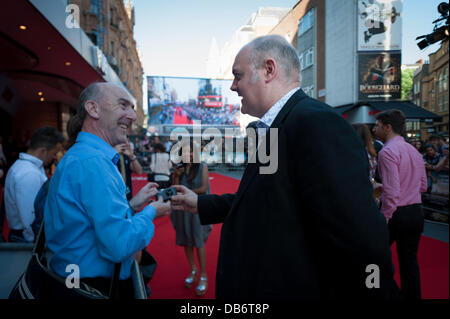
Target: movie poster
(380,76)
(379,25)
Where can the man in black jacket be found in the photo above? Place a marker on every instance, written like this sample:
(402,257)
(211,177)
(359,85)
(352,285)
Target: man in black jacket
(308,229)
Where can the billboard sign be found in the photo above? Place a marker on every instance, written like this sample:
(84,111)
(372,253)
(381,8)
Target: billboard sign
(379,76)
(379,25)
(185,101)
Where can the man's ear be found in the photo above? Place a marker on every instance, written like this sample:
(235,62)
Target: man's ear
(270,69)
(389,127)
(93,109)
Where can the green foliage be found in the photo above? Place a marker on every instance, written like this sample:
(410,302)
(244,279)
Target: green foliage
(407,82)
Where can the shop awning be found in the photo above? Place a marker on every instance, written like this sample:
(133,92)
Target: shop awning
(411,111)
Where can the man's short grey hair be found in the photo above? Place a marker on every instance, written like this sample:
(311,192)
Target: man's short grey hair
(276,47)
(93,92)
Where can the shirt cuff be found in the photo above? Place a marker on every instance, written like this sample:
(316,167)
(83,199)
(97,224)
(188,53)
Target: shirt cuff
(150,211)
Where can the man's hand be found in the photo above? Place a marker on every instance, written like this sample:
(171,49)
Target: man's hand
(162,208)
(127,150)
(184,200)
(144,196)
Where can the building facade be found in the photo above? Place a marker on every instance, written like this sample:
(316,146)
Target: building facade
(109,24)
(45,62)
(433,88)
(302,27)
(260,23)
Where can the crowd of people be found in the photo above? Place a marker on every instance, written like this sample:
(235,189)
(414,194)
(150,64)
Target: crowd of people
(282,232)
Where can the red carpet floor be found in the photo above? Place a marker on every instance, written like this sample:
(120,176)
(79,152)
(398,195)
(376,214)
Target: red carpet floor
(173,267)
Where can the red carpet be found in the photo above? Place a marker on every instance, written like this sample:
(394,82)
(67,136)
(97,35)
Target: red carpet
(172,268)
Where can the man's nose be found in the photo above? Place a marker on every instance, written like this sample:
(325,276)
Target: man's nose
(131,115)
(233,86)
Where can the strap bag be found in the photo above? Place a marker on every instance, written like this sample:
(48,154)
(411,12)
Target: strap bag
(40,282)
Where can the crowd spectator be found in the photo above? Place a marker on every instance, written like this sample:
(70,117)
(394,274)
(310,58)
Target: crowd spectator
(160,166)
(435,141)
(24,180)
(366,137)
(418,144)
(127,165)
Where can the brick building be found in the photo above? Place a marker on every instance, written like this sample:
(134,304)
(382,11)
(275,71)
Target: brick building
(109,24)
(434,89)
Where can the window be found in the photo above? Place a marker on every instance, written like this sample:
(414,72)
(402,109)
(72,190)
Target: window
(307,58)
(309,90)
(306,22)
(440,80)
(445,80)
(95,6)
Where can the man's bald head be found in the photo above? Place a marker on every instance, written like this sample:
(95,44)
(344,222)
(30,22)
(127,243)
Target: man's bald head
(277,48)
(100,92)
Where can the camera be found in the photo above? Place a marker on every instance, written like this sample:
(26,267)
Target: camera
(167,193)
(438,34)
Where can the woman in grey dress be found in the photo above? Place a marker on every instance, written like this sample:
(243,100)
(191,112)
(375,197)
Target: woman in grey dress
(189,232)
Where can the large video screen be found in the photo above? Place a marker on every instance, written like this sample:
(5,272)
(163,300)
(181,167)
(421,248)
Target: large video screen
(184,101)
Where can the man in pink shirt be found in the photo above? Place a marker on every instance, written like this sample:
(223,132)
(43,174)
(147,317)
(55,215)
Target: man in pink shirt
(403,174)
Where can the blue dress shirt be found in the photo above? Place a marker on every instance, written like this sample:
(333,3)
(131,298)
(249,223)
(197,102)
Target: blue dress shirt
(88,221)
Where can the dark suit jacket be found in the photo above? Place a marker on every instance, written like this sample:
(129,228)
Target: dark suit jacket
(310,230)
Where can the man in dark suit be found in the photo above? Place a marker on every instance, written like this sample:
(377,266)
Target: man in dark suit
(310,229)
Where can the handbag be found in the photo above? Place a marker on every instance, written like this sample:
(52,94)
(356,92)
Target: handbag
(40,282)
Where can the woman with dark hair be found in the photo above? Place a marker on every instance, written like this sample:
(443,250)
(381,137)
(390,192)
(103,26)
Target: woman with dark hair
(189,232)
(364,133)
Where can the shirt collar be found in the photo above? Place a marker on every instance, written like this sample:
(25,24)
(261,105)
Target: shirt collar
(272,113)
(100,144)
(33,159)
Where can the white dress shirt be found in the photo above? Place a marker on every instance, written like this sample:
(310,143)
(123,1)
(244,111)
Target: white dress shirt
(23,181)
(161,164)
(272,113)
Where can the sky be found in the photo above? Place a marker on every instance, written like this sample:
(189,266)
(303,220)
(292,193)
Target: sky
(174,36)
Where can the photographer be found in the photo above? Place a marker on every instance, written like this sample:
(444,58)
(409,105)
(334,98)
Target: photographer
(127,164)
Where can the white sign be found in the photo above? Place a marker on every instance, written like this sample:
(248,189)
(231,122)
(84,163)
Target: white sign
(379,25)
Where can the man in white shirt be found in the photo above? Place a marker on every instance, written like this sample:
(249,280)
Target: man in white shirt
(25,178)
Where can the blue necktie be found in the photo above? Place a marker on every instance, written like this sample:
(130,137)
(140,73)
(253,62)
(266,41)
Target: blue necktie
(116,158)
(261,124)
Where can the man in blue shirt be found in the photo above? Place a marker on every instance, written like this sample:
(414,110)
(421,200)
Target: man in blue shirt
(88,220)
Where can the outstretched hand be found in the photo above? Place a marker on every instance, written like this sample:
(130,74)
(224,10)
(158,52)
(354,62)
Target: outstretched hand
(184,200)
(162,208)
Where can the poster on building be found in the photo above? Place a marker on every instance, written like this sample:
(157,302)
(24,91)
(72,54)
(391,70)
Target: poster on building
(379,25)
(186,101)
(380,76)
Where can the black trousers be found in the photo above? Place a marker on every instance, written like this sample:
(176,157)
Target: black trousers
(405,228)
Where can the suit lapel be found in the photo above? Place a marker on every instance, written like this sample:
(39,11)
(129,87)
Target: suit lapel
(251,170)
